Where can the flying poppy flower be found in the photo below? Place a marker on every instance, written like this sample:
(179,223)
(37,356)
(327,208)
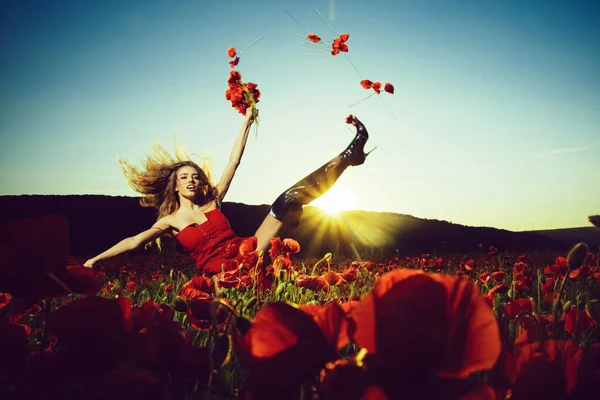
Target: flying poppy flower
(235,62)
(313,38)
(389,88)
(231,52)
(376,87)
(367,84)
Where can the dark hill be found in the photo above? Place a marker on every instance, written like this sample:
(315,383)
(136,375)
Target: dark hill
(97,222)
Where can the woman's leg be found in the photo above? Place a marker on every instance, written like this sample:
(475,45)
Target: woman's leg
(269,229)
(287,208)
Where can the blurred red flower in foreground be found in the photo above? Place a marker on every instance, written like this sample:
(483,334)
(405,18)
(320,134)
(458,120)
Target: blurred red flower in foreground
(550,369)
(285,345)
(231,52)
(422,331)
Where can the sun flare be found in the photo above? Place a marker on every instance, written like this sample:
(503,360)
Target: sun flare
(336,200)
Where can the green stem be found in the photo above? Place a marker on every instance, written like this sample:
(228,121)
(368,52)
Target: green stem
(324,20)
(251,44)
(298,22)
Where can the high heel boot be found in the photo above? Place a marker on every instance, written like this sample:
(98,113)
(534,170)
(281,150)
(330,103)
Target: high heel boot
(288,206)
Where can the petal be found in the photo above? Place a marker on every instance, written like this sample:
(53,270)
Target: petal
(284,346)
(333,322)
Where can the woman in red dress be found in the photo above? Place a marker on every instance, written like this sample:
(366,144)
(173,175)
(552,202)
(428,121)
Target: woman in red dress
(189,205)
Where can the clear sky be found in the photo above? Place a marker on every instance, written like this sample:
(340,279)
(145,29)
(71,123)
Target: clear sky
(495,120)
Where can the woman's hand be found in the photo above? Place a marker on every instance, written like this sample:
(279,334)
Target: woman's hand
(89,263)
(251,112)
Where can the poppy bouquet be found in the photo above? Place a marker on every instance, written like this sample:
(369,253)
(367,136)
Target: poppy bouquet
(242,95)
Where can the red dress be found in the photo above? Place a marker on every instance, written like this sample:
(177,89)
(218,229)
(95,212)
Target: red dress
(212,243)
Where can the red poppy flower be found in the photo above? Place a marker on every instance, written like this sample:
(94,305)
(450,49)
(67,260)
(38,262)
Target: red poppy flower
(290,247)
(376,87)
(197,288)
(333,278)
(151,313)
(483,277)
(281,263)
(248,245)
(499,289)
(344,37)
(577,321)
(235,62)
(515,307)
(229,279)
(314,283)
(453,331)
(275,247)
(546,369)
(519,268)
(498,276)
(231,52)
(313,38)
(367,84)
(169,288)
(285,345)
(350,274)
(389,88)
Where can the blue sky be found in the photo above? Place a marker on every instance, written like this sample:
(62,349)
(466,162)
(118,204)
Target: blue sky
(495,120)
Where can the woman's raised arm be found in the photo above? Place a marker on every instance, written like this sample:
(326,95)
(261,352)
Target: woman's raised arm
(236,155)
(131,243)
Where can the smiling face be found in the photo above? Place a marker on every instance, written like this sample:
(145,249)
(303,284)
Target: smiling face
(187,182)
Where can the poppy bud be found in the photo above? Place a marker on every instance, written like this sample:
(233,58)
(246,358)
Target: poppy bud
(327,257)
(595,220)
(243,324)
(593,307)
(577,256)
(179,304)
(221,351)
(251,303)
(567,307)
(280,288)
(171,273)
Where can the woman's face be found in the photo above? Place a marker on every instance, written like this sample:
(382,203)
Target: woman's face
(187,182)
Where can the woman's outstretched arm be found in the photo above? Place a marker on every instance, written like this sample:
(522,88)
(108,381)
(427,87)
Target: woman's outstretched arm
(236,155)
(131,243)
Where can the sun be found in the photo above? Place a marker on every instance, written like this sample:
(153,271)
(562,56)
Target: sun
(336,200)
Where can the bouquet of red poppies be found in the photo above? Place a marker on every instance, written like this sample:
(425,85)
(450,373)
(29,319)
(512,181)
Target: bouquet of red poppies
(242,95)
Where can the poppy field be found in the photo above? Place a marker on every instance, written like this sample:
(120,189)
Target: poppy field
(491,326)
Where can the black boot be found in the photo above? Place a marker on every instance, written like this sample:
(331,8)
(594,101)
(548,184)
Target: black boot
(288,206)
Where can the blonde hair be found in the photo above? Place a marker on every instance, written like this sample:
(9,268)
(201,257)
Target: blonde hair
(156,180)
